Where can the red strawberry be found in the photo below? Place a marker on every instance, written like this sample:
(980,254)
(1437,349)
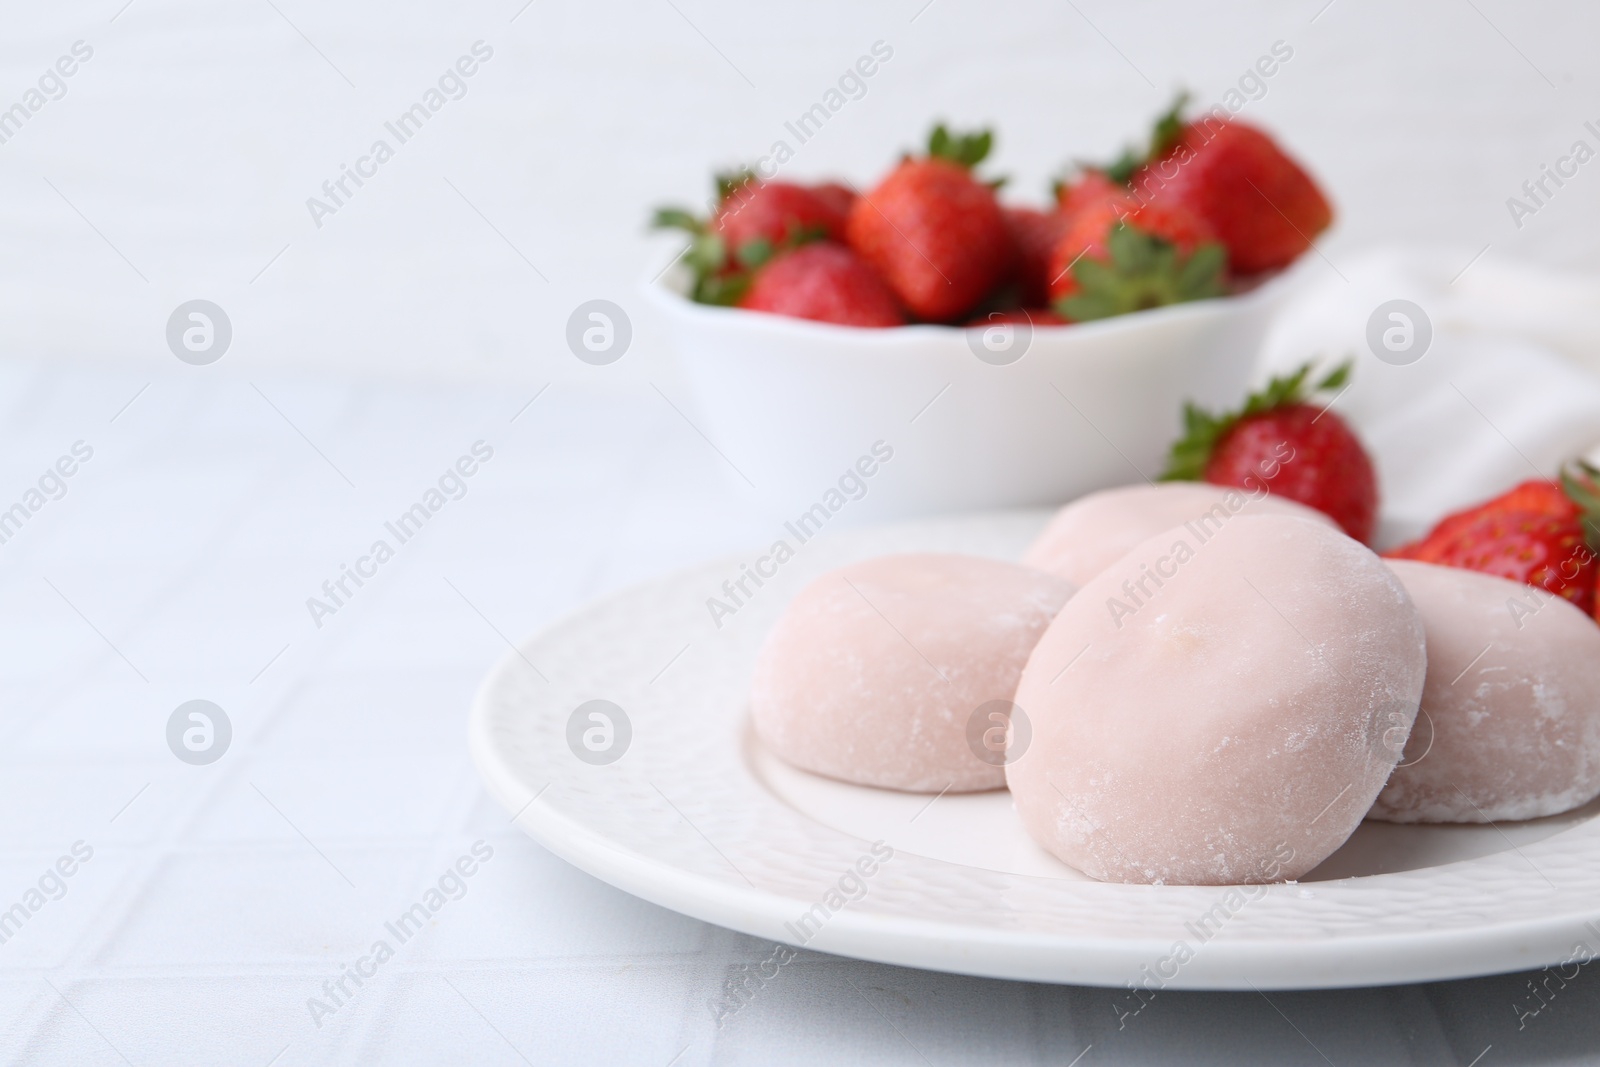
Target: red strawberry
(752,221)
(839,197)
(933,231)
(1116,256)
(1299,451)
(1540,533)
(1531,547)
(1263,206)
(1034,234)
(825,282)
(775,212)
(1090,186)
(1538,495)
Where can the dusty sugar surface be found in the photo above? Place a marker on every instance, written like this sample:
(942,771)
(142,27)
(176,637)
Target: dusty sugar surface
(1219,711)
(1094,531)
(874,672)
(1511,728)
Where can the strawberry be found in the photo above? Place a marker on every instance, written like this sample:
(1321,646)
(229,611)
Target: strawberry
(1539,495)
(933,231)
(1304,453)
(839,197)
(1117,256)
(1034,234)
(1541,533)
(826,282)
(752,221)
(754,210)
(1263,206)
(1090,186)
(1532,547)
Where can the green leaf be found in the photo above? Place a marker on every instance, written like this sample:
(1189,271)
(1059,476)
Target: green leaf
(1579,480)
(754,253)
(1187,460)
(1337,378)
(722,289)
(1169,127)
(967,149)
(1142,271)
(1094,275)
(1086,307)
(729,181)
(1202,274)
(1132,252)
(1121,170)
(707,254)
(676,218)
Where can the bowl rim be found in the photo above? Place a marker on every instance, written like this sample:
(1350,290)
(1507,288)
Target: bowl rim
(659,290)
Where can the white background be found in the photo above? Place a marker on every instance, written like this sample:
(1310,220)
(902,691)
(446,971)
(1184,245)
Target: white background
(194,137)
(370,353)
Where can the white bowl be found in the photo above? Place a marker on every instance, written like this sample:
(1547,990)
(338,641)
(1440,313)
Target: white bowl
(794,405)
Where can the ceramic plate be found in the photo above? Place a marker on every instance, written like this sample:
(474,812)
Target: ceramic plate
(619,740)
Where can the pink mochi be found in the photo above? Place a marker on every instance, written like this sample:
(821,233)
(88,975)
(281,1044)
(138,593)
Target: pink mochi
(1511,712)
(876,670)
(1094,531)
(1219,710)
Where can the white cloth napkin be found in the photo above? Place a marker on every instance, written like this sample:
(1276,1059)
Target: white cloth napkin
(1508,388)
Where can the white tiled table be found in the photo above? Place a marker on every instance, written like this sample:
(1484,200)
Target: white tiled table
(220,898)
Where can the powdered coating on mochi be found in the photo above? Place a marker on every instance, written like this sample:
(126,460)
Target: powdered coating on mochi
(1219,711)
(1512,699)
(874,670)
(1094,531)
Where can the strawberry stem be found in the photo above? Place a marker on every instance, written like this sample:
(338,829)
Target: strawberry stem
(1579,481)
(967,149)
(676,218)
(1142,271)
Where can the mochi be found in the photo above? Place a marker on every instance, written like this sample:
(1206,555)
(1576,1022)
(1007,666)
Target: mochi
(1511,711)
(888,672)
(1219,709)
(1094,531)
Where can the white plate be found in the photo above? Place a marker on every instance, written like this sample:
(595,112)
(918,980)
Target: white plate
(694,816)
